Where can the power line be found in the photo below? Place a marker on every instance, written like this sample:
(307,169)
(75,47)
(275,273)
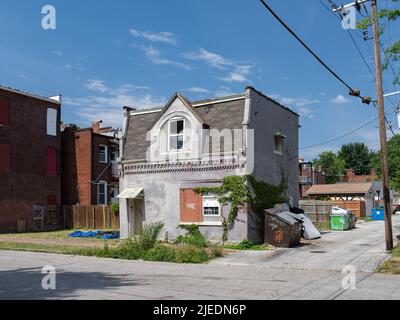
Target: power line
(341,136)
(352,91)
(351,36)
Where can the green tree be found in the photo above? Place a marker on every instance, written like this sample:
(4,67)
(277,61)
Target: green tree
(392,50)
(393,160)
(357,157)
(331,165)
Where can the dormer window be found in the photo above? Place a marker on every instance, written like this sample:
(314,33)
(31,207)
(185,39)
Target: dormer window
(176,134)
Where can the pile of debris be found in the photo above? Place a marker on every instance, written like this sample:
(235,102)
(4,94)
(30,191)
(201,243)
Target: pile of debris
(285,226)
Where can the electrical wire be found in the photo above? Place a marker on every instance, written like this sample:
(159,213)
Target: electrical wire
(352,91)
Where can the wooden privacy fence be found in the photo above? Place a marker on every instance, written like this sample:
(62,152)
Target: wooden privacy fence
(90,217)
(357,206)
(319,212)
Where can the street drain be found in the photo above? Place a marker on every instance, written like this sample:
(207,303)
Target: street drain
(316,251)
(364,244)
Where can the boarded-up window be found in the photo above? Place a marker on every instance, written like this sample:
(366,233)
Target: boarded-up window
(51,162)
(5,158)
(4,111)
(191,206)
(52,200)
(52,122)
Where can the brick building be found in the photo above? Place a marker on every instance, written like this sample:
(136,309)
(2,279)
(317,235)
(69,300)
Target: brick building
(309,176)
(352,177)
(30,175)
(89,162)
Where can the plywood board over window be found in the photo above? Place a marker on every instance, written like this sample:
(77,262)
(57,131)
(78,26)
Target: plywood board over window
(52,122)
(5,157)
(191,205)
(4,111)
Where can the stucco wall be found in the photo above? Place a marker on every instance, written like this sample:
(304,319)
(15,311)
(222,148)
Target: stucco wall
(162,203)
(266,117)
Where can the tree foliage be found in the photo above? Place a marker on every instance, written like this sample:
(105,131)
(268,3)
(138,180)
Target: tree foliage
(392,50)
(357,157)
(332,165)
(393,160)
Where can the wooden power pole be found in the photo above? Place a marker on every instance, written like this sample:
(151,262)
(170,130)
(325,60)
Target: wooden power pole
(382,128)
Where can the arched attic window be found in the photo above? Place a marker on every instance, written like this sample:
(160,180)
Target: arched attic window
(176,134)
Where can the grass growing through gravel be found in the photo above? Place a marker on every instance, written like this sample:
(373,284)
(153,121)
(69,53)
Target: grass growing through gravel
(392,265)
(145,247)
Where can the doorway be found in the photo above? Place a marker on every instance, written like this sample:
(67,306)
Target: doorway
(136,209)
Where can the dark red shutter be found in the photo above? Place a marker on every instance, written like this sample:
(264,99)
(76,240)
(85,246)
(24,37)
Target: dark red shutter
(5,157)
(4,111)
(51,162)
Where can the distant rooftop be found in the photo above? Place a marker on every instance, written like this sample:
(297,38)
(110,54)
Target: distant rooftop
(54,99)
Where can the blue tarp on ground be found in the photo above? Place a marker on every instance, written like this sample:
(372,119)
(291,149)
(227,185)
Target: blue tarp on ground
(94,234)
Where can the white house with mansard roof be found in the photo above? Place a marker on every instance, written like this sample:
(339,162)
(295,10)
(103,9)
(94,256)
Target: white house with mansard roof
(167,152)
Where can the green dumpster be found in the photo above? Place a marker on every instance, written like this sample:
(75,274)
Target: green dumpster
(340,221)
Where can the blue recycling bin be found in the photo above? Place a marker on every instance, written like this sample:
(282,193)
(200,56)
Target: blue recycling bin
(378,214)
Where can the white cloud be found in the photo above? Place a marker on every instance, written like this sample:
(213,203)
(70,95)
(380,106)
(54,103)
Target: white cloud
(24,76)
(296,102)
(306,112)
(239,74)
(340,99)
(164,37)
(96,85)
(213,59)
(223,91)
(197,90)
(108,103)
(58,52)
(155,57)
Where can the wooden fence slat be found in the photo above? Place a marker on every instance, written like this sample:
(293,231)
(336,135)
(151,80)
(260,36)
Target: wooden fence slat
(91,217)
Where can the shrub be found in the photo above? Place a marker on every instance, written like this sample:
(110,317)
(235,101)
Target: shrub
(129,249)
(148,237)
(193,237)
(191,254)
(115,209)
(245,244)
(160,253)
(216,251)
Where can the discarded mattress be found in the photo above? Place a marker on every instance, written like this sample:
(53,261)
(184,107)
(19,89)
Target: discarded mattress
(310,231)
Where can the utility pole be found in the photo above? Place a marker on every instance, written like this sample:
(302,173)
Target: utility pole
(381,112)
(382,128)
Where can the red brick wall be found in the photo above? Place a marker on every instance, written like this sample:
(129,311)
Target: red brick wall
(82,165)
(27,183)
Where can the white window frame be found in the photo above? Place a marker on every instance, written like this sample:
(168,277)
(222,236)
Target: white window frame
(176,135)
(216,200)
(106,153)
(51,123)
(102,183)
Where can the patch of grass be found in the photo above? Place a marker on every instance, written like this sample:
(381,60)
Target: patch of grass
(248,245)
(145,246)
(40,248)
(365,219)
(391,266)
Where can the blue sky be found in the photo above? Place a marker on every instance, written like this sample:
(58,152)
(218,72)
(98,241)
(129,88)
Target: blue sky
(106,54)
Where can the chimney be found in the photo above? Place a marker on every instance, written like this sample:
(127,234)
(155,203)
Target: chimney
(373,172)
(349,173)
(96,126)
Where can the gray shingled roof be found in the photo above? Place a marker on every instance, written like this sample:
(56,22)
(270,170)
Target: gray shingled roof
(217,116)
